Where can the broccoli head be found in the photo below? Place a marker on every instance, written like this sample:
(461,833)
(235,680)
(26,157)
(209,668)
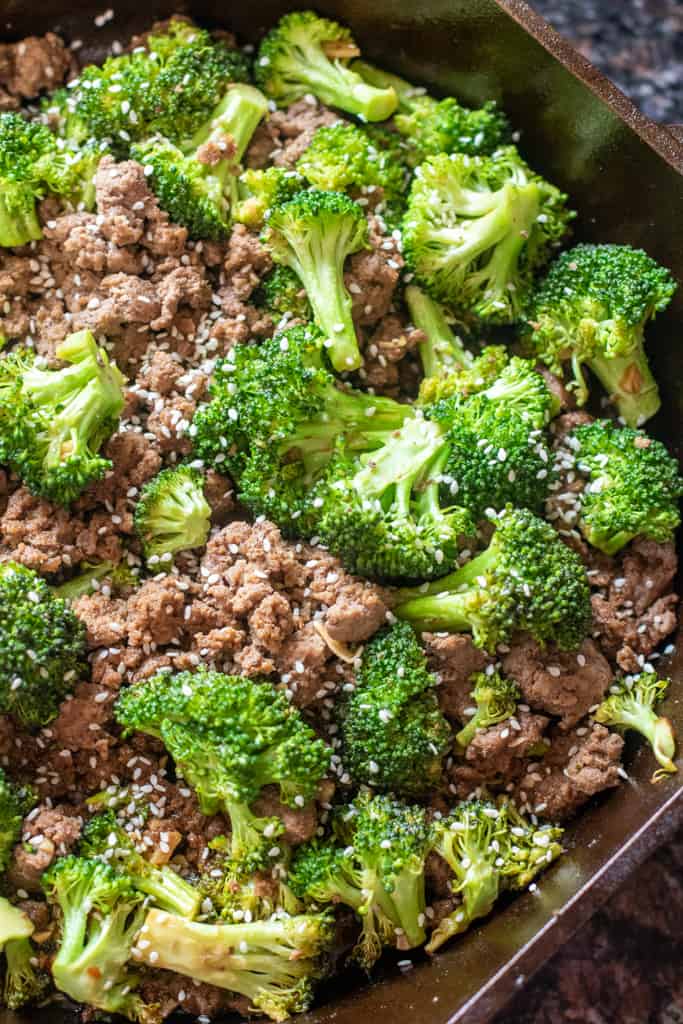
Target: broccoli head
(24,982)
(105,837)
(53,422)
(591,310)
(631,704)
(477,228)
(282,295)
(480,374)
(495,699)
(15,803)
(259,190)
(172,513)
(304,54)
(527,579)
(230,736)
(101,913)
(42,647)
(237,893)
(442,352)
(393,733)
(105,576)
(274,963)
(632,489)
(313,233)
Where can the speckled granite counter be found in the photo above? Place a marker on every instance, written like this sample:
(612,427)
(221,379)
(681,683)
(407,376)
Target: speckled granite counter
(626,965)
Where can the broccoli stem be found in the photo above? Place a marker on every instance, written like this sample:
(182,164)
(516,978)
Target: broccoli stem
(169,891)
(322,275)
(19,222)
(23,983)
(406,903)
(468,732)
(657,730)
(406,93)
(442,352)
(338,86)
(441,604)
(630,384)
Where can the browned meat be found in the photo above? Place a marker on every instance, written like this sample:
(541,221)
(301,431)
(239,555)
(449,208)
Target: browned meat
(171,991)
(453,658)
(569,421)
(563,683)
(287,133)
(390,343)
(246,261)
(565,398)
(438,876)
(31,66)
(300,823)
(498,752)
(220,494)
(50,833)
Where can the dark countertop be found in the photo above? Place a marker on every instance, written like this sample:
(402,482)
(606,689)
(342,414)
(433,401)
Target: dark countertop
(626,965)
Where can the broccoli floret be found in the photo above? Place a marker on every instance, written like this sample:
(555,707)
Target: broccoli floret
(477,228)
(313,234)
(230,736)
(393,733)
(42,647)
(631,705)
(53,422)
(526,579)
(487,850)
(199,189)
(591,309)
(495,698)
(483,371)
(632,489)
(101,914)
(443,352)
(376,867)
(259,190)
(282,294)
(96,575)
(381,513)
(172,513)
(432,126)
(275,963)
(105,837)
(23,983)
(275,419)
(15,803)
(345,158)
(166,38)
(308,54)
(237,893)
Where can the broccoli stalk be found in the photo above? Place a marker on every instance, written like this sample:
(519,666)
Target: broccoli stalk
(105,837)
(275,963)
(526,579)
(631,705)
(443,352)
(632,485)
(197,185)
(495,698)
(93,575)
(394,737)
(230,736)
(313,233)
(308,54)
(591,309)
(53,422)
(172,513)
(23,982)
(42,647)
(101,914)
(476,228)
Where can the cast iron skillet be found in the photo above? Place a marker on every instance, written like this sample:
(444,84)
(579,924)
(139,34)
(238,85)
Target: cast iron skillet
(623,175)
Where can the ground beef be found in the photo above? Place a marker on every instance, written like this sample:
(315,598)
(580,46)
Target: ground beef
(384,353)
(31,66)
(562,683)
(453,658)
(171,991)
(284,136)
(577,766)
(47,833)
(495,752)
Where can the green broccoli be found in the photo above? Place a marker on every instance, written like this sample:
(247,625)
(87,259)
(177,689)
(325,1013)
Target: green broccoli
(432,126)
(105,837)
(260,190)
(308,54)
(230,736)
(345,158)
(24,982)
(53,422)
(237,893)
(495,699)
(15,803)
(477,228)
(394,737)
(172,513)
(630,704)
(376,867)
(275,420)
(632,489)
(443,352)
(101,914)
(199,188)
(166,38)
(42,647)
(313,233)
(282,294)
(488,851)
(95,576)
(482,372)
(274,963)
(526,579)
(591,309)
